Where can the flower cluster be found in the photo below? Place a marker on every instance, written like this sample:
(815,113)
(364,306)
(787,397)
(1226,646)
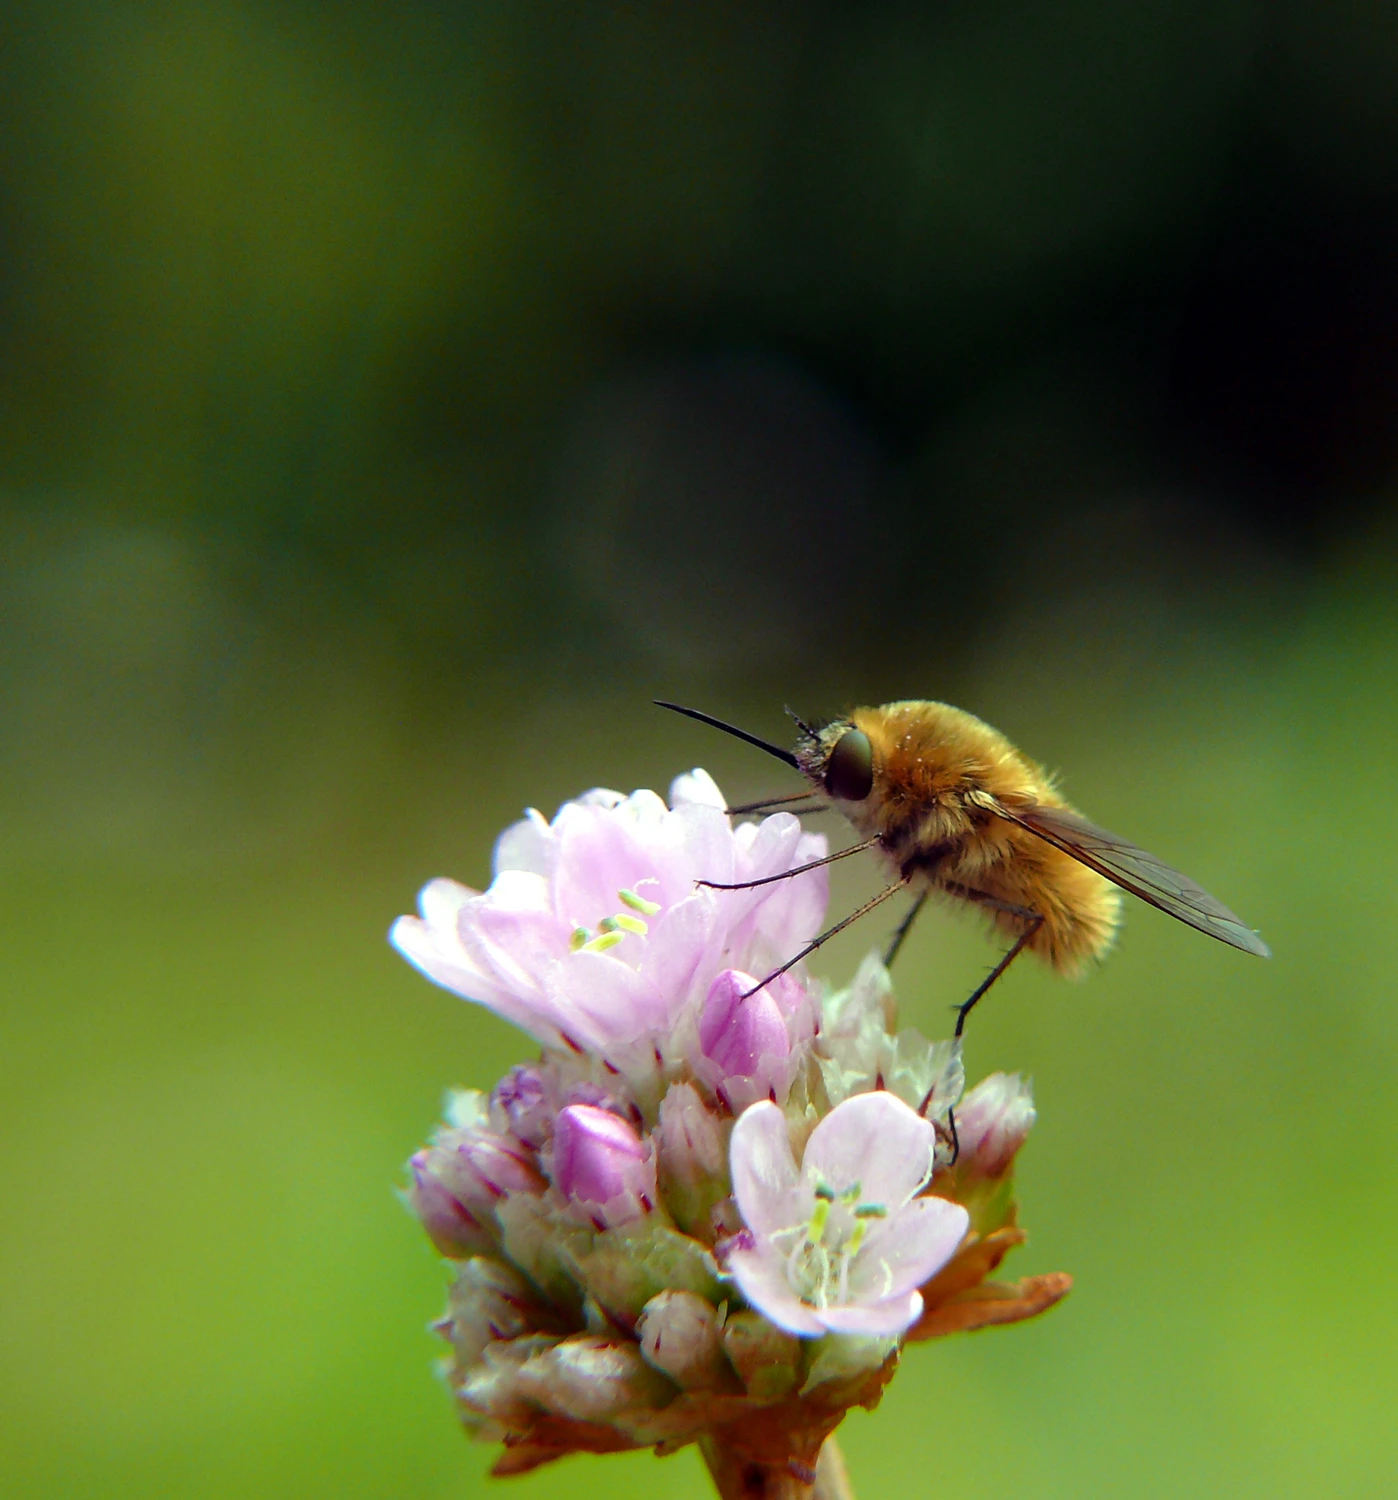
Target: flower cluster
(715,1208)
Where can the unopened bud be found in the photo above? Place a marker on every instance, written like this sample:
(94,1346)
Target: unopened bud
(523,1103)
(458,1180)
(450,1225)
(766,1358)
(679,1335)
(488,1301)
(602,1165)
(738,1030)
(747,1037)
(991,1124)
(592,1379)
(693,1148)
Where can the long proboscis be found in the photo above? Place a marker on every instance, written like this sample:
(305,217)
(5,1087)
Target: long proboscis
(738,734)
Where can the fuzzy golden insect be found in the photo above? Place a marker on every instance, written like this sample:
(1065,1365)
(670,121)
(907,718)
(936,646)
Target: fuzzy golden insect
(951,807)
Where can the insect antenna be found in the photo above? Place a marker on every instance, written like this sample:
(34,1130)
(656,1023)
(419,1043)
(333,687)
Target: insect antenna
(809,730)
(830,932)
(815,864)
(739,734)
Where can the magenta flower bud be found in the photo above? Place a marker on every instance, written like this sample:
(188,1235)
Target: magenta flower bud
(599,1161)
(738,1031)
(749,1038)
(991,1124)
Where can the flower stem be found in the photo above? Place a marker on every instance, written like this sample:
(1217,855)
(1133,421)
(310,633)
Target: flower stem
(739,1477)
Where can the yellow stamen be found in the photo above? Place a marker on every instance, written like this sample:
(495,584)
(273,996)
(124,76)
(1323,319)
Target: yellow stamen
(602,942)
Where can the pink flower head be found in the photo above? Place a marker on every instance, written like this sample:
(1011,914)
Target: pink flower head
(595,933)
(602,1165)
(841,1244)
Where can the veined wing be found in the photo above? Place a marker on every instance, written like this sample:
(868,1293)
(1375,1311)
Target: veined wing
(1138,872)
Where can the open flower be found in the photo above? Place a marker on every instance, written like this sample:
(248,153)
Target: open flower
(842,1244)
(594,932)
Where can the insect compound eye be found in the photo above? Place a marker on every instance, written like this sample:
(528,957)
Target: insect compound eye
(849,773)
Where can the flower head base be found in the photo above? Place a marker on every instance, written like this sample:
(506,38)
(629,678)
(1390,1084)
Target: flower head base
(639,1258)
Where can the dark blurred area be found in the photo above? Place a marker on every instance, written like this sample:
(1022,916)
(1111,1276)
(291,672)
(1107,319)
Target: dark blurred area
(679,333)
(394,398)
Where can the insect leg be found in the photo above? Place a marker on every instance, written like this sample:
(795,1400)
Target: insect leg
(772,804)
(814,864)
(904,927)
(1034,920)
(830,932)
(964,1010)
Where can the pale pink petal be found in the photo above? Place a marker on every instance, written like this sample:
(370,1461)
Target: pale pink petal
(700,842)
(597,1000)
(769,1192)
(443,960)
(599,855)
(440,902)
(697,786)
(877,1319)
(526,845)
(512,947)
(908,1248)
(761,1275)
(682,949)
(874,1140)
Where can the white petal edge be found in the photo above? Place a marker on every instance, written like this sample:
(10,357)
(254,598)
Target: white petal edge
(761,1276)
(893,1315)
(697,786)
(766,1184)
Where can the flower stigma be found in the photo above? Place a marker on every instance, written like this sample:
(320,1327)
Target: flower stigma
(820,1270)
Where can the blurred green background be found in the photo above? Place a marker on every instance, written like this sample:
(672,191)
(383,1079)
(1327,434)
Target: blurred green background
(394,398)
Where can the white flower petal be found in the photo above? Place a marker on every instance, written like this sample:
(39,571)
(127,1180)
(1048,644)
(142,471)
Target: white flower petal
(770,1194)
(908,1248)
(526,845)
(761,1275)
(876,1141)
(440,902)
(697,786)
(894,1315)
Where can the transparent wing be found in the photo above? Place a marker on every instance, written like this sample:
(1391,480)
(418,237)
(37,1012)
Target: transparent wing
(1138,872)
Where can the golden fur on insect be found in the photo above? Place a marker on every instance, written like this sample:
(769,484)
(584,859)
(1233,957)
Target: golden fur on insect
(938,773)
